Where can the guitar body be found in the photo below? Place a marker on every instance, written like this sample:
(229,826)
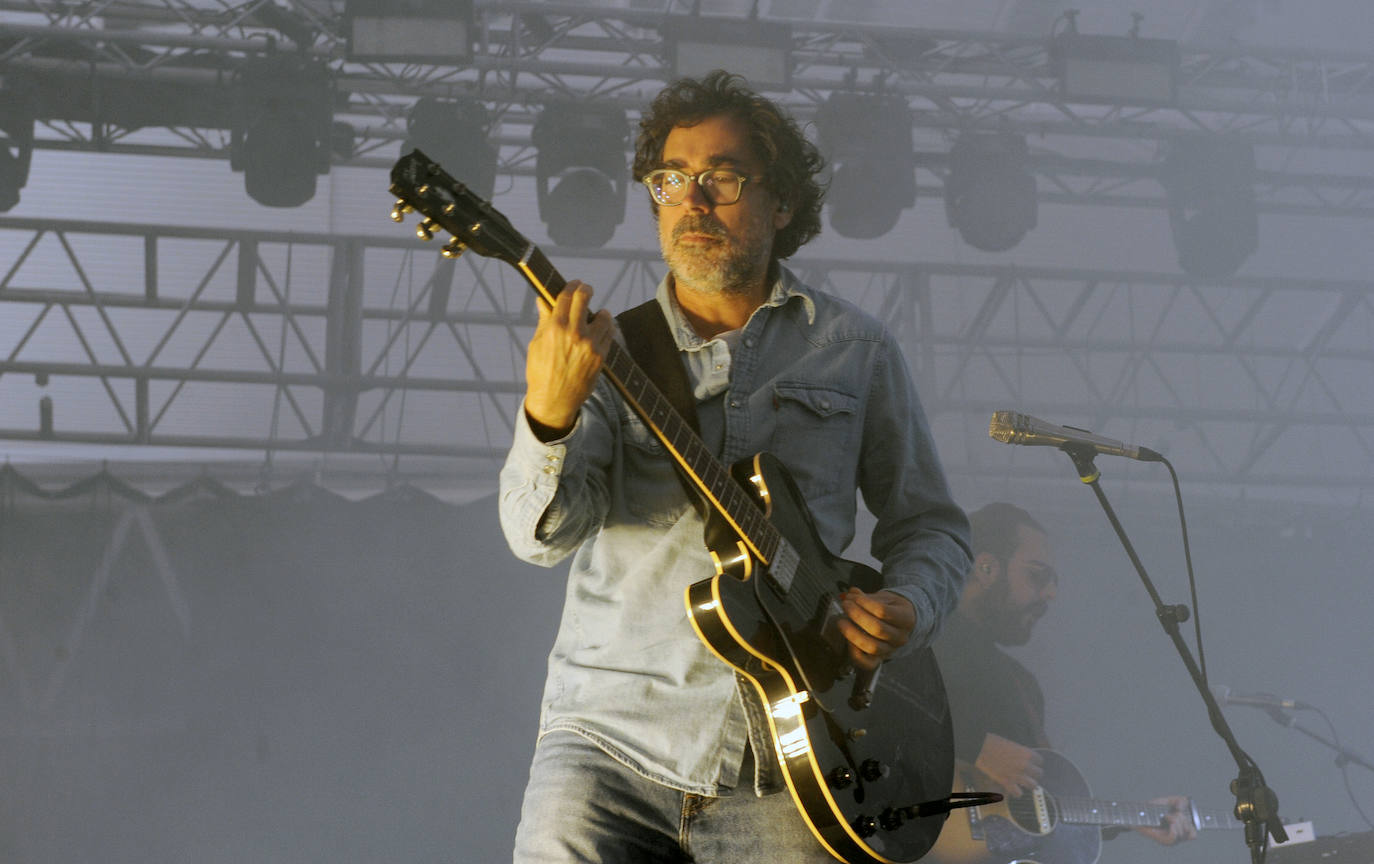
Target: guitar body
(1016,830)
(849,769)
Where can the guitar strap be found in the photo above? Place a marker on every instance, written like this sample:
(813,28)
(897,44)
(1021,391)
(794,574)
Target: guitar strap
(651,345)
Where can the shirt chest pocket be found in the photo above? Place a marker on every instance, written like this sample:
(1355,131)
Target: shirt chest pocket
(815,434)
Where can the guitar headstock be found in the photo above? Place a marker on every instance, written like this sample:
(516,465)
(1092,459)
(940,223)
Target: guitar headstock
(422,185)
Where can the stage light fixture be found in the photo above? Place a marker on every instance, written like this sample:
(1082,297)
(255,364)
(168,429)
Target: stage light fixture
(759,51)
(867,139)
(990,194)
(1116,69)
(409,31)
(581,152)
(454,133)
(16,142)
(282,127)
(1209,184)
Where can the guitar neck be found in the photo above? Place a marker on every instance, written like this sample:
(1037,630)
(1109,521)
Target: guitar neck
(651,406)
(1076,810)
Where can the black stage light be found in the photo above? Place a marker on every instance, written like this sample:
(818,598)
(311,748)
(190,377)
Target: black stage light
(454,133)
(409,31)
(1209,184)
(867,138)
(16,141)
(1120,70)
(581,152)
(282,127)
(990,194)
(759,51)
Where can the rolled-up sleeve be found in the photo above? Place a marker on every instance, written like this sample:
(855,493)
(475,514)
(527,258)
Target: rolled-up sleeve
(553,495)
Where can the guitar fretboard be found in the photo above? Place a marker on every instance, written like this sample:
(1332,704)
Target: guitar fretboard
(1094,811)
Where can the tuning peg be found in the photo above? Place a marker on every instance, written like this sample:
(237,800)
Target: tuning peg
(398,213)
(453,248)
(425,230)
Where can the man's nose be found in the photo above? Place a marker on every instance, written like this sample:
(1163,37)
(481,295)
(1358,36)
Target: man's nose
(696,199)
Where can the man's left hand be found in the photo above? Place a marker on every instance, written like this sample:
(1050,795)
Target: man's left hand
(1178,825)
(876,625)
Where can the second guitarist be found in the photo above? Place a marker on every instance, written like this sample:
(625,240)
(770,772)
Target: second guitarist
(998,708)
(651,749)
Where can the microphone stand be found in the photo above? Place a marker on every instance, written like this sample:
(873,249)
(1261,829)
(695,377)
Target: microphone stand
(1256,804)
(1344,755)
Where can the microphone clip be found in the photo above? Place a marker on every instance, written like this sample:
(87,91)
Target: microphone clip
(1083,456)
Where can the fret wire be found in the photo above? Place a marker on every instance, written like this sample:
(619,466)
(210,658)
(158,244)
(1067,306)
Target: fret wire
(547,275)
(642,391)
(616,360)
(1092,810)
(752,522)
(638,385)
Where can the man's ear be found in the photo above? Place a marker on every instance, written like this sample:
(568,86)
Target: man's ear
(782,216)
(987,569)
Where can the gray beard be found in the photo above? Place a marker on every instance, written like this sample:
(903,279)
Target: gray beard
(723,268)
(710,274)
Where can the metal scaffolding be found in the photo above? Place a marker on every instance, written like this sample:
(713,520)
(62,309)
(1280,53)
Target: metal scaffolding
(358,344)
(326,343)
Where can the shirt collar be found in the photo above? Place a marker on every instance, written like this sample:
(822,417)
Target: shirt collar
(785,287)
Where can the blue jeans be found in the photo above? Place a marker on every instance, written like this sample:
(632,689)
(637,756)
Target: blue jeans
(584,807)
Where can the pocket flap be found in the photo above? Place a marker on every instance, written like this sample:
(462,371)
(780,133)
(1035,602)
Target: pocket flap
(822,401)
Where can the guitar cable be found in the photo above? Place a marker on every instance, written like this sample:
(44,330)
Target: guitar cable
(954,801)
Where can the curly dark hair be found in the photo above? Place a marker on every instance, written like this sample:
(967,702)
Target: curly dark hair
(996,528)
(793,162)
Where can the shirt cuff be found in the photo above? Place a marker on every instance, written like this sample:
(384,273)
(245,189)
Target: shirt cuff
(538,467)
(926,625)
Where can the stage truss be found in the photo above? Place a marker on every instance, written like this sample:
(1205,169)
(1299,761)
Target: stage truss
(331,344)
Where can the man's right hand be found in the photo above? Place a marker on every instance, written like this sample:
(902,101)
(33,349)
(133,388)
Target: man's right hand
(564,357)
(1015,769)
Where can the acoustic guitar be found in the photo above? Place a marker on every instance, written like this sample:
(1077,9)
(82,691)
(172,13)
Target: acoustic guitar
(1056,823)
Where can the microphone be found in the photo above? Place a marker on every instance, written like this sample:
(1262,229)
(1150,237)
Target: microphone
(1226,696)
(1009,427)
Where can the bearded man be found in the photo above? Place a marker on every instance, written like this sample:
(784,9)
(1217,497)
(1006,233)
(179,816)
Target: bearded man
(996,703)
(650,748)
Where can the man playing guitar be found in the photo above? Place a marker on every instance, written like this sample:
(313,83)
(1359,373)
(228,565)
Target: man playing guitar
(650,748)
(997,705)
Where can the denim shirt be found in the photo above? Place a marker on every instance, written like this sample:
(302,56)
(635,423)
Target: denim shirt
(811,379)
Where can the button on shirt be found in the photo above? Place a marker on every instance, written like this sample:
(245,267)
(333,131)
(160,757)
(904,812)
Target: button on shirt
(809,378)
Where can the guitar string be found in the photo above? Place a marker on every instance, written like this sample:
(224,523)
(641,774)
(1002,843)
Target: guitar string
(807,590)
(1082,810)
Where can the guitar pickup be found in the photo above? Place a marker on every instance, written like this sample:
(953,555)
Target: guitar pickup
(783,567)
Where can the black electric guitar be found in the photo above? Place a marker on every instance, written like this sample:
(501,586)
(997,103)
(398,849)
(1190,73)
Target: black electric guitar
(868,758)
(1056,823)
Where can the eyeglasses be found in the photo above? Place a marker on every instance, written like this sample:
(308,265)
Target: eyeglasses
(668,186)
